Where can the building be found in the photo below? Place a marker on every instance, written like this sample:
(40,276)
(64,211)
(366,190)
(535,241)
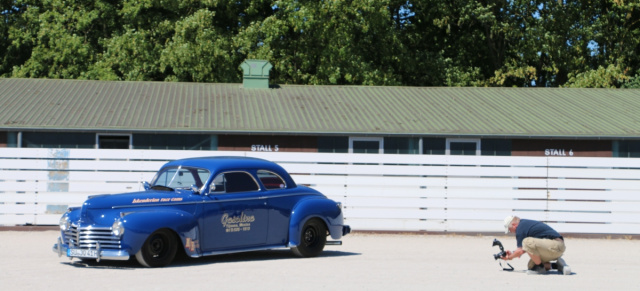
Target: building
(254,116)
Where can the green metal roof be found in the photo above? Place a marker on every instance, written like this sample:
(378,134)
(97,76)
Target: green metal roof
(45,104)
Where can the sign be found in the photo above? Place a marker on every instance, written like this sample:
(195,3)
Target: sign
(264,148)
(237,223)
(558,152)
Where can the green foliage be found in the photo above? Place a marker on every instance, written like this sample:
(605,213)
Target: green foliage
(326,42)
(609,77)
(62,36)
(15,46)
(632,83)
(131,56)
(572,43)
(199,53)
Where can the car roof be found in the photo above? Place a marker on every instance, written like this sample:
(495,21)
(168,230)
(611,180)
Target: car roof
(230,163)
(224,163)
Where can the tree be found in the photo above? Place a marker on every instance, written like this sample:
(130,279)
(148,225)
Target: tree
(632,82)
(132,52)
(12,26)
(546,43)
(609,77)
(572,43)
(326,42)
(616,39)
(178,40)
(453,43)
(63,36)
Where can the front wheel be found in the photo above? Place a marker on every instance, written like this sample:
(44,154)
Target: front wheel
(312,239)
(158,250)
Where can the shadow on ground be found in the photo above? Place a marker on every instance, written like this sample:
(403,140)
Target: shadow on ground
(182,260)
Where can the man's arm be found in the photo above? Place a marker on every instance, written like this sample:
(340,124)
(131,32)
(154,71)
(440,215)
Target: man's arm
(515,254)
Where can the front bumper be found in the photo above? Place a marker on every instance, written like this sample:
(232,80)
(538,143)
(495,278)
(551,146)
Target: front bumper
(103,254)
(346,229)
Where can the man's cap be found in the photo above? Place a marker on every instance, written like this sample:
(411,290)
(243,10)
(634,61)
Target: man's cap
(507,223)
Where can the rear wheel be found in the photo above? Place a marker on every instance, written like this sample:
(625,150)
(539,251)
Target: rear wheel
(158,250)
(312,239)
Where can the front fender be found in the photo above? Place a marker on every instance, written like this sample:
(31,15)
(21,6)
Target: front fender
(139,225)
(327,210)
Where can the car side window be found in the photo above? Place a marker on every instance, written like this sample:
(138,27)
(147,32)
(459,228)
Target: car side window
(232,182)
(271,180)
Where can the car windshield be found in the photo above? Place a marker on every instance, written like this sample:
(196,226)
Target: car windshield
(180,178)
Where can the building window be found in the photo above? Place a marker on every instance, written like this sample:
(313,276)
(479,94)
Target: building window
(496,147)
(366,145)
(463,147)
(401,145)
(197,142)
(333,144)
(4,139)
(14,139)
(626,149)
(56,140)
(113,141)
(434,146)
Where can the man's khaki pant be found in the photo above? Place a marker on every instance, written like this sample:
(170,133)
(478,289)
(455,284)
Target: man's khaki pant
(547,249)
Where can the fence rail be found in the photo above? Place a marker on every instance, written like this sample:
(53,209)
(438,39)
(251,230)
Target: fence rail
(379,192)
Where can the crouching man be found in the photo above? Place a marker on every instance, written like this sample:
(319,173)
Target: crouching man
(541,242)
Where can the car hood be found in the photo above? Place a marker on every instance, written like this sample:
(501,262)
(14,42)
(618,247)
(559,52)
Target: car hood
(103,210)
(143,198)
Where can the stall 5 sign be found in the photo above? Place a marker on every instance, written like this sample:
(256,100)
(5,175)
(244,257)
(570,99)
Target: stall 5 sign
(264,148)
(557,152)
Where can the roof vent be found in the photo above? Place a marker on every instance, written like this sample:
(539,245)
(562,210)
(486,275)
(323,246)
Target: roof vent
(256,74)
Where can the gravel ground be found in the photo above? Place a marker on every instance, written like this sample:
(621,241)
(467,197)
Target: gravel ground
(365,262)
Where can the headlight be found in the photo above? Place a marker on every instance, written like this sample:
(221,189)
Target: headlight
(64,223)
(117,228)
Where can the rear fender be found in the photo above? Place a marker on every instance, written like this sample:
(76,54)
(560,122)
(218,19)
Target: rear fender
(326,210)
(139,225)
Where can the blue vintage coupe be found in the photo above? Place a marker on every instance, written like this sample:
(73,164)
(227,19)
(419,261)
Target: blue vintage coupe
(205,206)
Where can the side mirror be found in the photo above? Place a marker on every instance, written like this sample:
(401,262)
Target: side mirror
(210,190)
(146,186)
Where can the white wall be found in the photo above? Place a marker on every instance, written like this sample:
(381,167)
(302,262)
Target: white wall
(379,192)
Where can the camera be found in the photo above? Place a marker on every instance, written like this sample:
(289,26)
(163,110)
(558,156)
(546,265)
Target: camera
(502,252)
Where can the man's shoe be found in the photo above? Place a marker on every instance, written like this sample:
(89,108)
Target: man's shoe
(537,270)
(563,268)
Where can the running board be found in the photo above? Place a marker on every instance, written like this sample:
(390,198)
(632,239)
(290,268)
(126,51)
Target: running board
(334,243)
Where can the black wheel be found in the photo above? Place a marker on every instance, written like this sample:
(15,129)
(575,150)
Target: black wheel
(312,239)
(158,250)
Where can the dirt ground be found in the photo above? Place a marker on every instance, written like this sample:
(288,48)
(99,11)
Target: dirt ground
(365,262)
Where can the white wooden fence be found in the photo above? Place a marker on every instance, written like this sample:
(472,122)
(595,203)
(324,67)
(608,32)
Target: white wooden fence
(379,192)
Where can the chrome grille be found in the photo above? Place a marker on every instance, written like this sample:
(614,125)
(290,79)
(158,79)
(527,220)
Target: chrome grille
(89,237)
